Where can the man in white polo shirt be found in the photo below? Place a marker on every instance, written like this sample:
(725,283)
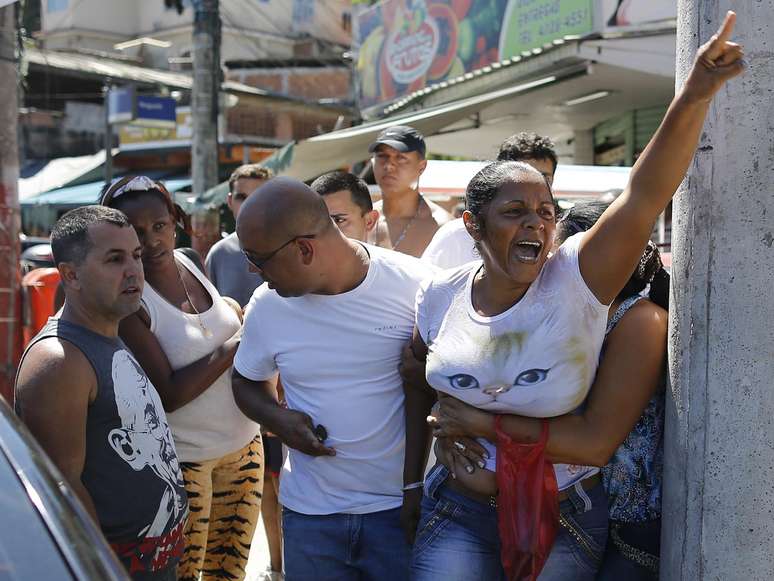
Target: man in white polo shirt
(332,319)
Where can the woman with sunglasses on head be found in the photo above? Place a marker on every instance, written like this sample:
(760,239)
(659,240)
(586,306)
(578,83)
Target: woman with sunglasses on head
(521,332)
(185,336)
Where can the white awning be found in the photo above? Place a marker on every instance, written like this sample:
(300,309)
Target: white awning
(571,181)
(60,172)
(337,149)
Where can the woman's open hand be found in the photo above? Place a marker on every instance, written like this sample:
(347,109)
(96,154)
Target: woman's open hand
(717,61)
(451,417)
(461,452)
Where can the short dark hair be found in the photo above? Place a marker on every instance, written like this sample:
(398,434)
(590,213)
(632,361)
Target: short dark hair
(527,145)
(483,186)
(336,181)
(251,171)
(70,240)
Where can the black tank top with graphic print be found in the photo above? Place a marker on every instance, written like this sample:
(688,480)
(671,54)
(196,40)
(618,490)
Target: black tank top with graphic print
(131,469)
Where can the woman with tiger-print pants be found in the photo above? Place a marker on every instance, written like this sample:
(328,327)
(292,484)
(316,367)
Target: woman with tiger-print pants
(225,499)
(185,336)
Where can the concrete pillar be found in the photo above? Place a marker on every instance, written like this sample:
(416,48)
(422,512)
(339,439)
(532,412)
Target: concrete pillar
(718,513)
(583,147)
(9,202)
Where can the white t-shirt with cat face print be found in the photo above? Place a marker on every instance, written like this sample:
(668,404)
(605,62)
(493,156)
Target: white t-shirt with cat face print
(536,359)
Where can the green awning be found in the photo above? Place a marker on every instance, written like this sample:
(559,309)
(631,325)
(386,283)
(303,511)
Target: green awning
(41,211)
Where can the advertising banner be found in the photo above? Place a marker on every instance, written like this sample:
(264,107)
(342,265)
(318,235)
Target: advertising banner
(634,12)
(405,45)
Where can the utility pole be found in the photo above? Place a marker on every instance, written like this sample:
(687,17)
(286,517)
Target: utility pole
(206,91)
(9,200)
(718,511)
(108,136)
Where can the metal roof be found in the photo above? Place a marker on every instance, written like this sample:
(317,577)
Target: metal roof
(418,96)
(95,66)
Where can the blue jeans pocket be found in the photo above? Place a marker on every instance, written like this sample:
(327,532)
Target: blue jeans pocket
(435,516)
(585,546)
(584,518)
(435,479)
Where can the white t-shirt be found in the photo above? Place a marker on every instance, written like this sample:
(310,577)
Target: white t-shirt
(338,356)
(451,246)
(536,359)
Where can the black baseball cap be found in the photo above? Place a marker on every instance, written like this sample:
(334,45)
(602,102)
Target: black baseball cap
(400,137)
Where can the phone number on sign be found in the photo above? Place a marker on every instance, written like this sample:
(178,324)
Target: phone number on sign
(571,20)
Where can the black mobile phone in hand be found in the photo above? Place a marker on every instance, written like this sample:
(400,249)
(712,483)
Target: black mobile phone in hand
(320,433)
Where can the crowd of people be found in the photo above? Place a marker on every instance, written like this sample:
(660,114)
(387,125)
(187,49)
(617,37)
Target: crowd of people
(303,371)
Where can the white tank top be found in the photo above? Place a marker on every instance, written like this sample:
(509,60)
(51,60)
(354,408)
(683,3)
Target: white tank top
(211,425)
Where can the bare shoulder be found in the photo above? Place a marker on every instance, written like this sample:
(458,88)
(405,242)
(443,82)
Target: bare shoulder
(440,215)
(644,321)
(138,323)
(52,366)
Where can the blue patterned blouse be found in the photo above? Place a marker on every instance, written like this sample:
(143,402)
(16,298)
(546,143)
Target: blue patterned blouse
(632,478)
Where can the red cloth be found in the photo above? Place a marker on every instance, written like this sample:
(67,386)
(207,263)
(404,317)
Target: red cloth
(527,504)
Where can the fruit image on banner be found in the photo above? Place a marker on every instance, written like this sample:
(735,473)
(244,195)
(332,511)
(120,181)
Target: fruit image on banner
(404,45)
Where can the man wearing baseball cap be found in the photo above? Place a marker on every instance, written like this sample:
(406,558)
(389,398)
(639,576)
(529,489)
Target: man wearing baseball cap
(408,220)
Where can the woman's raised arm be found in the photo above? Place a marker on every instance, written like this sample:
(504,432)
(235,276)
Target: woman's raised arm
(611,249)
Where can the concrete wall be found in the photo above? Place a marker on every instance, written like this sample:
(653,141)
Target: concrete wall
(304,82)
(252,29)
(719,474)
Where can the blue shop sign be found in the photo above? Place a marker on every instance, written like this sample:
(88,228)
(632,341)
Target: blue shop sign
(153,111)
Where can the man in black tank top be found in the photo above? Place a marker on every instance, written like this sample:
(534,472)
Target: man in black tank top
(91,406)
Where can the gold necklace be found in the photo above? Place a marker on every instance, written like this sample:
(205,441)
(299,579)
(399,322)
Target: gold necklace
(205,331)
(408,225)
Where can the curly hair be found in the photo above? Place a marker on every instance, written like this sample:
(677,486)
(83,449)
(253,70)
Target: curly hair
(527,145)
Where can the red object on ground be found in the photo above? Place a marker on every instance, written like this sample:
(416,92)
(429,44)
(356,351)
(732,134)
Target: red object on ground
(38,291)
(527,505)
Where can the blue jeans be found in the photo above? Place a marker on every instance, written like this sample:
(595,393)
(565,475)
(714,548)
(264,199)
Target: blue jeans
(345,547)
(580,543)
(457,536)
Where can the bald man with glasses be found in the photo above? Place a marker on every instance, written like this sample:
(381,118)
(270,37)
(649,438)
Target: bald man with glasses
(332,321)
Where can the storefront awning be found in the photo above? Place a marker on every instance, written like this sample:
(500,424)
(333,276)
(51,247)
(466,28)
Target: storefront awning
(39,212)
(571,182)
(317,155)
(61,172)
(307,159)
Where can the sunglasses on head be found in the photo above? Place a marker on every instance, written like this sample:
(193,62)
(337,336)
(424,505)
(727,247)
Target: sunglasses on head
(124,185)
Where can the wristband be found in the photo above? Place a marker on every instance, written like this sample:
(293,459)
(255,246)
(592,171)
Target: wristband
(413,485)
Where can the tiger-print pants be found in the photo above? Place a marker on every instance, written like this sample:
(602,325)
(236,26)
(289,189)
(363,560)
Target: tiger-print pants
(224,497)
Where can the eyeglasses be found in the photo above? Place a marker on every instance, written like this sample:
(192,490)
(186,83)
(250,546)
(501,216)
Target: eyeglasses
(260,264)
